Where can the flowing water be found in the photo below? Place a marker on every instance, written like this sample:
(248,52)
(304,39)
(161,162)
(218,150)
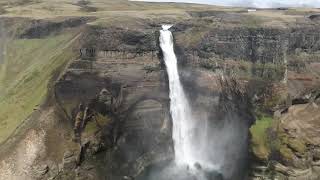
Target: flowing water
(179,106)
(206,146)
(189,133)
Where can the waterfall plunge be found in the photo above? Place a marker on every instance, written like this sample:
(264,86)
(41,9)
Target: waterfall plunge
(189,133)
(179,106)
(207,147)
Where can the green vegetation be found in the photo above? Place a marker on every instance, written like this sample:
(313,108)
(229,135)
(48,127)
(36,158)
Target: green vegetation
(297,145)
(290,146)
(269,71)
(246,69)
(300,12)
(25,75)
(286,153)
(209,64)
(272,101)
(252,21)
(267,140)
(194,35)
(92,126)
(260,139)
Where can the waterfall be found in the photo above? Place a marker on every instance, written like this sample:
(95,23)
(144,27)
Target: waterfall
(186,145)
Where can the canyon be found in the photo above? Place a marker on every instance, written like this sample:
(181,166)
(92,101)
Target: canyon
(253,75)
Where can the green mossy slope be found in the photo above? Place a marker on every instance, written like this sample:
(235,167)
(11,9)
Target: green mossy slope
(25,76)
(260,141)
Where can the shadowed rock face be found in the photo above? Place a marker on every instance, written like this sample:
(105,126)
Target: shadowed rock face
(40,29)
(118,39)
(315,17)
(141,126)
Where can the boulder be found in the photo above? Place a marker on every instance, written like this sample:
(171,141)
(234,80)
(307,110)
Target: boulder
(70,161)
(40,170)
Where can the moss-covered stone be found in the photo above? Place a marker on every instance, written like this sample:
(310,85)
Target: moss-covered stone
(260,141)
(297,145)
(286,153)
(96,124)
(264,143)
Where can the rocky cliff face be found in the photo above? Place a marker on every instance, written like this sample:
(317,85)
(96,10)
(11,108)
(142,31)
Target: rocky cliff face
(118,74)
(132,61)
(132,134)
(259,46)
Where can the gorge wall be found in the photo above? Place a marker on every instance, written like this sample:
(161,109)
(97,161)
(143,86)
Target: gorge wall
(119,74)
(133,60)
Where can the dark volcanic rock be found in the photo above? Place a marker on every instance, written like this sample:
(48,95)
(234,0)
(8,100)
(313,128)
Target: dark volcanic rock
(120,39)
(42,28)
(138,133)
(315,17)
(256,45)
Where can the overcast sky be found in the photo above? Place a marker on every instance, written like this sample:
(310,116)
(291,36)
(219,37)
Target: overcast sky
(252,3)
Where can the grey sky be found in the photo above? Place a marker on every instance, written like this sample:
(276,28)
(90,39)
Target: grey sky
(252,3)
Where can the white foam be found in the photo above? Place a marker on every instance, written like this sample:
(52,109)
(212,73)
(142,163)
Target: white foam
(166,27)
(188,133)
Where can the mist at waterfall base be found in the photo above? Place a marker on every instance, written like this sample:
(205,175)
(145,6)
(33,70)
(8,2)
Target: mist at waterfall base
(205,147)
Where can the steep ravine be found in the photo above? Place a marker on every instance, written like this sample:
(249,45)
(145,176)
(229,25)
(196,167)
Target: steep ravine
(119,75)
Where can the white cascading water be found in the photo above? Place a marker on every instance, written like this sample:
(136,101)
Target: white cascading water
(187,146)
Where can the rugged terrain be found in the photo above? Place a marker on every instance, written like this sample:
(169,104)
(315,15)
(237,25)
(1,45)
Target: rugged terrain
(262,67)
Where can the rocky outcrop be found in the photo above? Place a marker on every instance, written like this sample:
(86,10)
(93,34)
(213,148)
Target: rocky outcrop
(294,146)
(120,39)
(40,28)
(256,45)
(139,130)
(244,52)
